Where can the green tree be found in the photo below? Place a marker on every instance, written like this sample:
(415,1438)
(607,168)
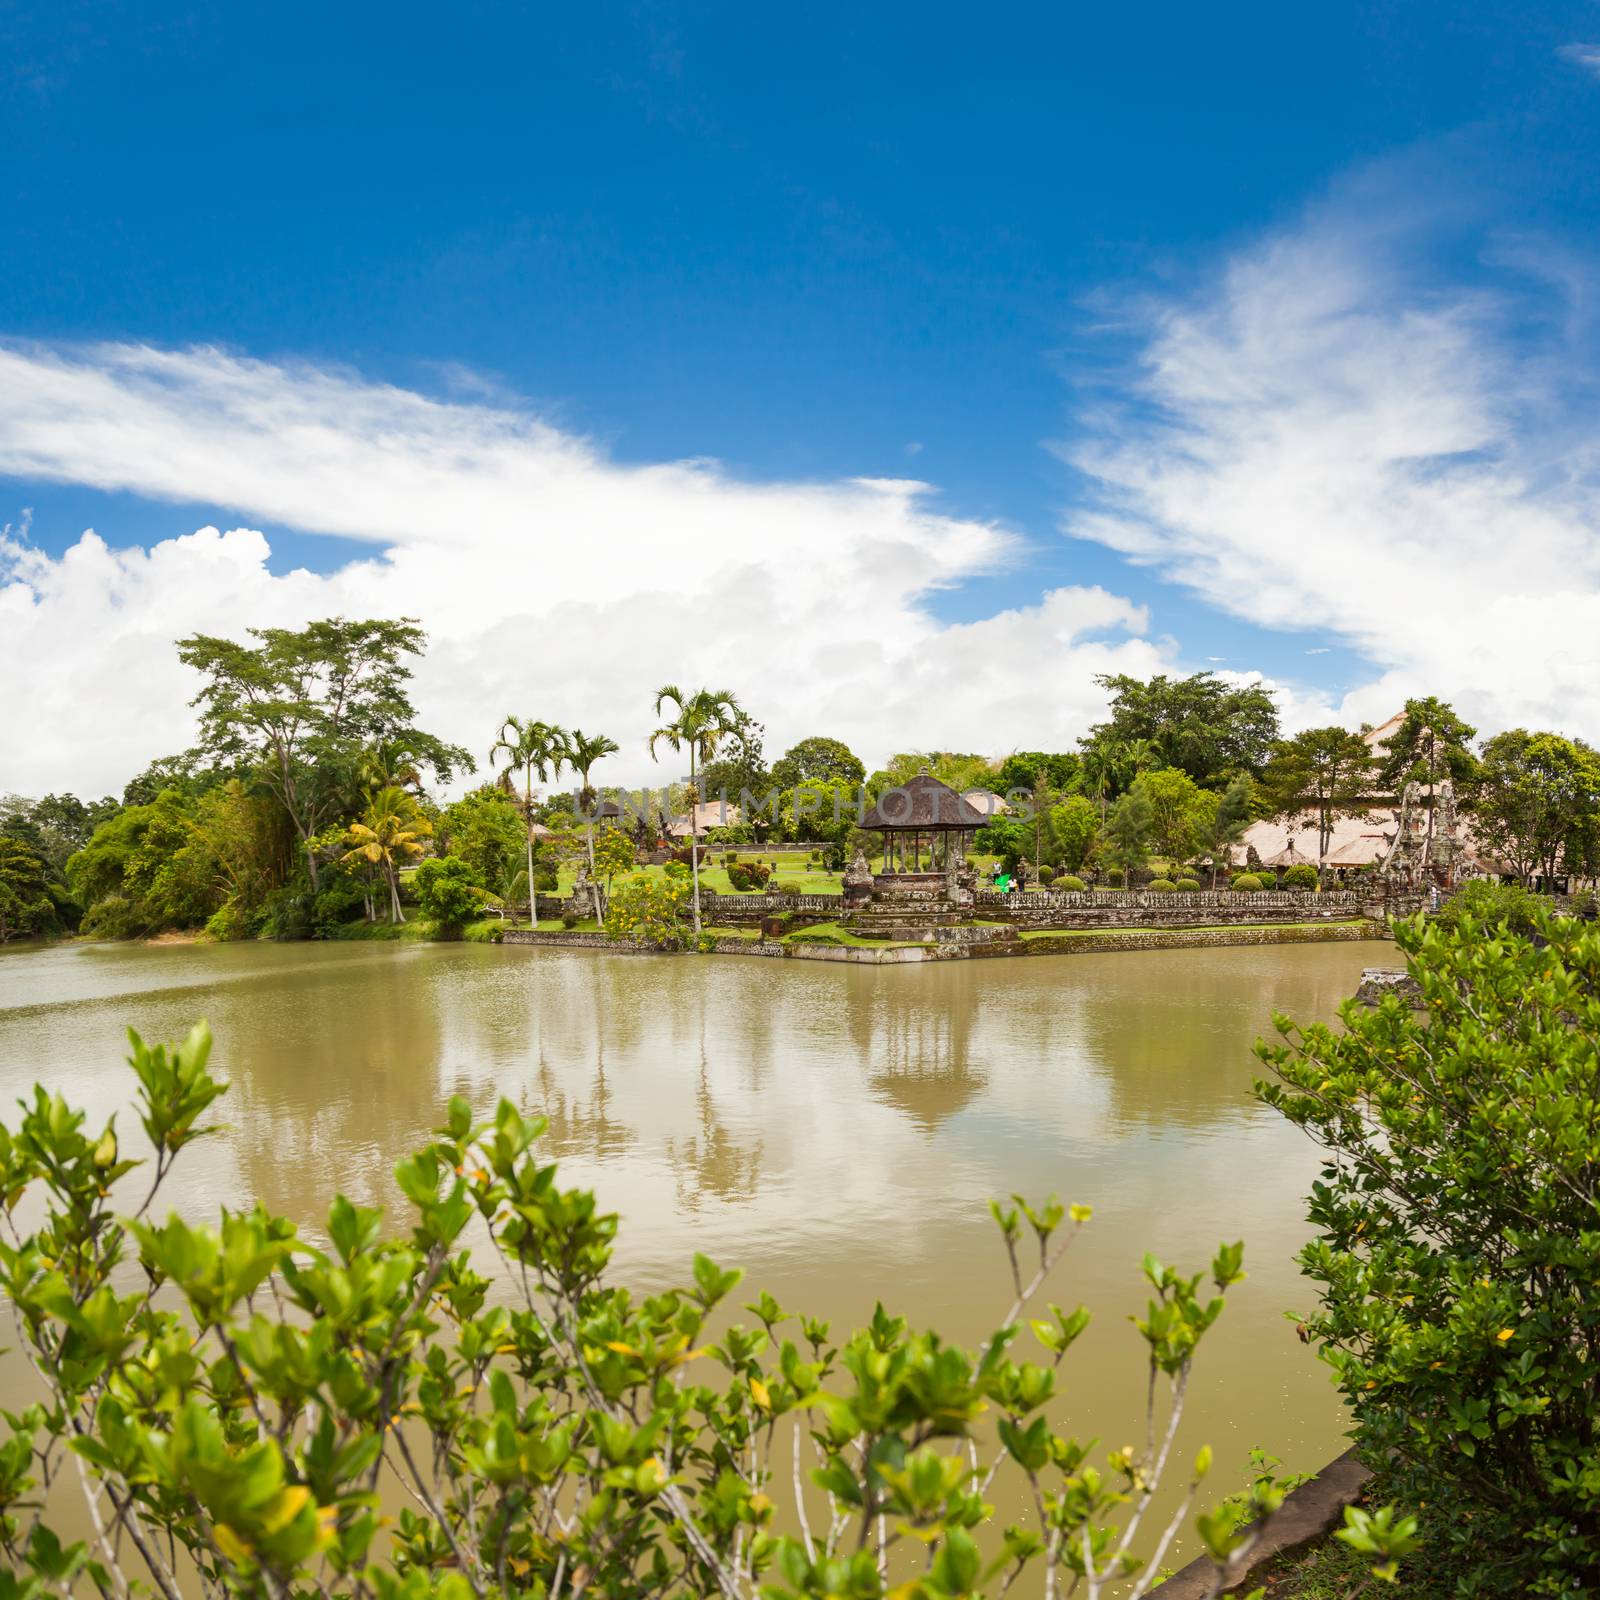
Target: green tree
(1232,817)
(1210,729)
(960,771)
(739,763)
(613,854)
(1457,1260)
(1074,825)
(1538,803)
(300,707)
(485,829)
(388,836)
(27,904)
(1129,828)
(448,893)
(1039,772)
(701,721)
(583,751)
(1324,770)
(1182,812)
(817,757)
(536,749)
(1432,743)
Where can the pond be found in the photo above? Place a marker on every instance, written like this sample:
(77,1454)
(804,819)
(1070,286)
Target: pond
(836,1130)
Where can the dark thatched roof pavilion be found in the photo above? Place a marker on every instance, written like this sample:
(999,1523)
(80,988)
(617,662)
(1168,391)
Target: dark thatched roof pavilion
(923,805)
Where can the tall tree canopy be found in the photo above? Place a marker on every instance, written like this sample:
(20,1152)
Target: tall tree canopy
(1538,803)
(300,706)
(817,757)
(1210,729)
(1431,744)
(1039,771)
(739,763)
(1327,771)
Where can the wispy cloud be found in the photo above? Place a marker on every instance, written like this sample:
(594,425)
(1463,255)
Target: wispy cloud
(1586,56)
(553,579)
(1327,437)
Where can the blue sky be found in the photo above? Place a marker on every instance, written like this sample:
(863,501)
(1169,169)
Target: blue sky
(808,243)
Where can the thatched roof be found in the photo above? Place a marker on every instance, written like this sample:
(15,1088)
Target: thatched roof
(1289,856)
(986,801)
(922,804)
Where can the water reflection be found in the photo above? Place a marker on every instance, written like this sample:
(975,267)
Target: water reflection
(836,1130)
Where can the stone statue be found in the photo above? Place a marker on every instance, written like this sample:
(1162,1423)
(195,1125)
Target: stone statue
(858,881)
(581,902)
(1444,848)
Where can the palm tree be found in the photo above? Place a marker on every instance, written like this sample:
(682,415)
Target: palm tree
(1100,766)
(583,750)
(704,719)
(582,753)
(535,747)
(389,763)
(391,831)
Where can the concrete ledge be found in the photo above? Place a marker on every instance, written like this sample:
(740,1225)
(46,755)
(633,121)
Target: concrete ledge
(1306,1515)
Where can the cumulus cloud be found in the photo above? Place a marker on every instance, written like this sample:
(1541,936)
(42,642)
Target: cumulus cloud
(1327,436)
(553,580)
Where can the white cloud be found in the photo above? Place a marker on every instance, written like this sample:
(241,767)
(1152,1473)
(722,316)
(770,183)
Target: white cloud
(552,580)
(1586,56)
(1323,439)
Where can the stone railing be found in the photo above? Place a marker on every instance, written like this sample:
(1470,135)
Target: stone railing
(1341,901)
(723,907)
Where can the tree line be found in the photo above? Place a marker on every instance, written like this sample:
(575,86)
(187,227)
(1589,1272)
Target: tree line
(312,790)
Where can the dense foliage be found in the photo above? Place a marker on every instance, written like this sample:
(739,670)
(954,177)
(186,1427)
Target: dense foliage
(1458,1252)
(1203,726)
(243,1415)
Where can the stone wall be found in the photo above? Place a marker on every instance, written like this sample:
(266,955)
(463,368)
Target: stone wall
(1072,944)
(1119,908)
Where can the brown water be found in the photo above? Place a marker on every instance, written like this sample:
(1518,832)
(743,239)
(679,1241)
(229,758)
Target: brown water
(836,1130)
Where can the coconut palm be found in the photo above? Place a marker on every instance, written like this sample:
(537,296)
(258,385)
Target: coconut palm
(702,721)
(583,750)
(534,747)
(390,832)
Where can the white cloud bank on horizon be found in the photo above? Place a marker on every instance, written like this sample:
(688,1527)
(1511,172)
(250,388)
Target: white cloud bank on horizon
(1329,435)
(1324,438)
(552,581)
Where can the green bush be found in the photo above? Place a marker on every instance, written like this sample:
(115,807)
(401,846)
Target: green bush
(1457,1261)
(1494,905)
(1047,874)
(227,924)
(646,909)
(1069,884)
(1246,883)
(746,876)
(1114,877)
(1269,878)
(1302,875)
(447,893)
(246,1400)
(1187,885)
(785,887)
(1160,886)
(569,920)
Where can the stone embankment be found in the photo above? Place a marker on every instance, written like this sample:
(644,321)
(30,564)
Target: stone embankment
(1072,944)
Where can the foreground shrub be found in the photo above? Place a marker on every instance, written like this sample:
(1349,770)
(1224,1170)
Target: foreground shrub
(255,1398)
(1160,886)
(1302,875)
(1070,884)
(1458,1257)
(1114,877)
(1187,885)
(1047,874)
(1246,883)
(747,876)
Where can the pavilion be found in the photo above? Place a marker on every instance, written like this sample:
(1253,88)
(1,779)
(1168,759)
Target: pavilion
(923,812)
